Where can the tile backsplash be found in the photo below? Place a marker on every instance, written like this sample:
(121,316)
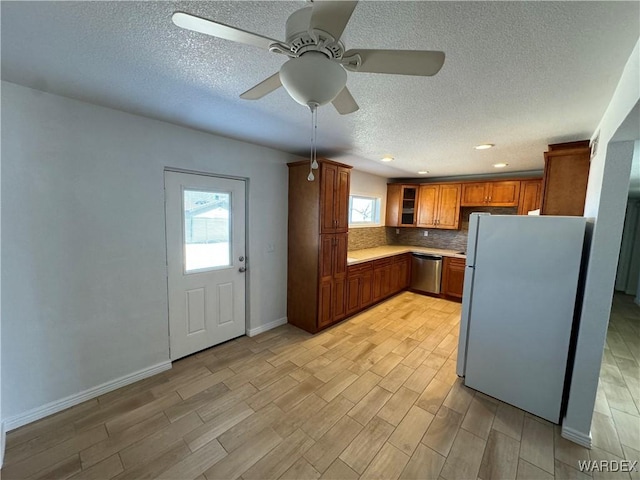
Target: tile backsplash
(367,237)
(448,239)
(360,238)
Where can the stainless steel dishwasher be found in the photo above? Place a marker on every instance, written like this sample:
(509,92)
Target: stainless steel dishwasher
(426,273)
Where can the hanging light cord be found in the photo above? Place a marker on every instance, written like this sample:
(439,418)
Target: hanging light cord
(314,141)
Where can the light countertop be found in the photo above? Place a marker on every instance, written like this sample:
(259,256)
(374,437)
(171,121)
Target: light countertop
(367,254)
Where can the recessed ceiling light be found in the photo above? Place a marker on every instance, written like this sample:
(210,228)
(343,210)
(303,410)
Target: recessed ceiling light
(386,158)
(484,146)
(500,165)
(423,172)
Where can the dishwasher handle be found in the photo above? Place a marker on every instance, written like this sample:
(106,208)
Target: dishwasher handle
(427,256)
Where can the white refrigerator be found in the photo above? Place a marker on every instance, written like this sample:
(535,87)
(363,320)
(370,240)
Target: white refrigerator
(518,303)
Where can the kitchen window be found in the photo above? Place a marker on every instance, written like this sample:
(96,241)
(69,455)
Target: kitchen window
(364,211)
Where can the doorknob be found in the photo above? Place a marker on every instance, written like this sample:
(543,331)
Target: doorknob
(241,259)
(242,269)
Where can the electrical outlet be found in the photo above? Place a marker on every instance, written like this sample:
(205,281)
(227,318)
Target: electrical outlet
(425,233)
(397,231)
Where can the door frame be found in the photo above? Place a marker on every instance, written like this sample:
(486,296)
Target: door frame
(247,282)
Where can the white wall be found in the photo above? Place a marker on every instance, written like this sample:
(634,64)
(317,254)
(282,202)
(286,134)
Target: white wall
(367,184)
(83,248)
(605,205)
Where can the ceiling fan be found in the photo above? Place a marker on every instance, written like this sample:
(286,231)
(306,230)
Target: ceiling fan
(314,74)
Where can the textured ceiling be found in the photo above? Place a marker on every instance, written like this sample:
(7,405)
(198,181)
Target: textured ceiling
(520,75)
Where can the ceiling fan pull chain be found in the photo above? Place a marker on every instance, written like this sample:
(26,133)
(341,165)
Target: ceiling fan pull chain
(310,177)
(313,107)
(314,141)
(314,114)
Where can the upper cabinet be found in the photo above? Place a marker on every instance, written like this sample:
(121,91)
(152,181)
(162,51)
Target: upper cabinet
(530,196)
(439,206)
(334,198)
(402,205)
(566,172)
(491,194)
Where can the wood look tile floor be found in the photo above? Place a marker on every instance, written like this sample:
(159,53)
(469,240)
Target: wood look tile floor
(375,397)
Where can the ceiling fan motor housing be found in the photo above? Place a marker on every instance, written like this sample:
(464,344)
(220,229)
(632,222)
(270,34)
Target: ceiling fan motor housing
(301,39)
(313,78)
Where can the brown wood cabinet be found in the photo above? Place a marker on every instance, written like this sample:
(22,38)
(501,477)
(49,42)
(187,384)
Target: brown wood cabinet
(530,196)
(439,206)
(359,287)
(491,194)
(381,278)
(402,205)
(566,173)
(453,277)
(317,245)
(334,209)
(333,278)
(372,282)
(400,272)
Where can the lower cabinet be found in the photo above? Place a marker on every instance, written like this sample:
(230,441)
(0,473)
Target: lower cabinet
(381,278)
(453,277)
(371,282)
(359,287)
(332,301)
(332,289)
(400,272)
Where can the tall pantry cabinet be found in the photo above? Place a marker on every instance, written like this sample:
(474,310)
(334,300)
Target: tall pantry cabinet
(566,174)
(317,250)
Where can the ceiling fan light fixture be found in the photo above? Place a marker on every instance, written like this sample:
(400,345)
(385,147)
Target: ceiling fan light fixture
(484,146)
(313,78)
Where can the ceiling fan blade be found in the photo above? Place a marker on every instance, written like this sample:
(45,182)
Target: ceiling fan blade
(401,62)
(331,16)
(220,30)
(263,88)
(345,103)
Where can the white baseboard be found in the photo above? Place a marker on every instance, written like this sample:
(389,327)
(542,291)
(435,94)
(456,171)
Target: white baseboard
(57,406)
(577,437)
(252,332)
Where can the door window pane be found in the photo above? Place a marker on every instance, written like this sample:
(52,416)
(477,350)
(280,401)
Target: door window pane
(207,229)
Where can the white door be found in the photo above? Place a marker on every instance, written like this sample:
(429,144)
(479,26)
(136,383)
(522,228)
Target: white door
(205,221)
